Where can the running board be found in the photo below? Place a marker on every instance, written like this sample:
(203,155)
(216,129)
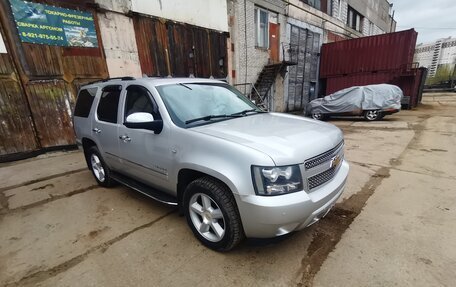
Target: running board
(148,191)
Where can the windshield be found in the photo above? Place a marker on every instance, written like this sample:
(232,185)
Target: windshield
(193,104)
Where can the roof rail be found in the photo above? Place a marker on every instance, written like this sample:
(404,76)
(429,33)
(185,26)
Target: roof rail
(120,78)
(110,79)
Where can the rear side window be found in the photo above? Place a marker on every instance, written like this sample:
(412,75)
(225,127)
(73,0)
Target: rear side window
(84,102)
(109,104)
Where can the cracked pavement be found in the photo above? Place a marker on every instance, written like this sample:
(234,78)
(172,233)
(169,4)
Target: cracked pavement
(394,225)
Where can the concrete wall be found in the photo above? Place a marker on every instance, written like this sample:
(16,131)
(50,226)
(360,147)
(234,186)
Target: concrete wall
(210,14)
(376,11)
(121,6)
(119,44)
(334,24)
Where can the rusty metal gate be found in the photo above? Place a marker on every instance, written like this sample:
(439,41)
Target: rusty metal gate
(302,77)
(38,85)
(16,129)
(167,48)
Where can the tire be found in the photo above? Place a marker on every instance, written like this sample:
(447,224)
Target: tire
(99,168)
(372,115)
(212,214)
(317,115)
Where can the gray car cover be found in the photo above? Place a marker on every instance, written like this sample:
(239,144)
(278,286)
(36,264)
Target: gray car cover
(371,97)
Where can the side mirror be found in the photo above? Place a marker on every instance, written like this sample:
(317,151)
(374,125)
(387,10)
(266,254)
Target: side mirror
(144,121)
(140,118)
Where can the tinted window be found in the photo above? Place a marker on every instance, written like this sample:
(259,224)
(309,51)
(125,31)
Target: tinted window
(84,102)
(109,104)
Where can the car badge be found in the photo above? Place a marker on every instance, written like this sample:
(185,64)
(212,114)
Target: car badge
(335,161)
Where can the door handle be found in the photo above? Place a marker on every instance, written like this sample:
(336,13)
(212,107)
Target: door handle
(97,130)
(125,138)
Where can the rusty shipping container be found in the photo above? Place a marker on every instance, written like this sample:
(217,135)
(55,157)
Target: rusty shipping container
(385,52)
(386,58)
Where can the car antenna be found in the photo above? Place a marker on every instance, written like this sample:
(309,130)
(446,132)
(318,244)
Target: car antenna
(184,85)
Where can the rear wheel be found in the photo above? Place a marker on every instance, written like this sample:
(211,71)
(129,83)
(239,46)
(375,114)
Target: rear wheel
(372,115)
(212,214)
(99,168)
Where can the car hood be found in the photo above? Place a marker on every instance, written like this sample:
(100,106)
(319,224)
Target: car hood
(285,138)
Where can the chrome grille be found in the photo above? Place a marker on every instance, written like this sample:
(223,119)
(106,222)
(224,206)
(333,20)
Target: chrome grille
(321,178)
(322,158)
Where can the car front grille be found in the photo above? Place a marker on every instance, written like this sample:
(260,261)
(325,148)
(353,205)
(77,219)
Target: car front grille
(319,162)
(321,178)
(322,158)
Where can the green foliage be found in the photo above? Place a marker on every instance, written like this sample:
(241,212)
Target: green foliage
(444,73)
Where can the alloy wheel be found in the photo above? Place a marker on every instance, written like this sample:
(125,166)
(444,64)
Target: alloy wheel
(97,167)
(371,115)
(207,217)
(317,116)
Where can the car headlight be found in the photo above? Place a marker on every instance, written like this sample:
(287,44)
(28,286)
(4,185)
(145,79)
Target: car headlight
(276,180)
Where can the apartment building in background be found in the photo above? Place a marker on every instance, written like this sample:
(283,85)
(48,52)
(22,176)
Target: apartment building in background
(437,56)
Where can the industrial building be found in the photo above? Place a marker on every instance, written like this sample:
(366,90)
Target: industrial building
(275,44)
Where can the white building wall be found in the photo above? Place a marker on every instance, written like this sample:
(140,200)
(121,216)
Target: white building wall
(210,14)
(448,55)
(365,29)
(343,11)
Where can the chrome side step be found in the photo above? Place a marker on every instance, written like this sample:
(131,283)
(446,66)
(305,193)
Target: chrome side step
(148,191)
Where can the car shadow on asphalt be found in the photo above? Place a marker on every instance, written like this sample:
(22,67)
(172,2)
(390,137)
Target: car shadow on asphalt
(262,242)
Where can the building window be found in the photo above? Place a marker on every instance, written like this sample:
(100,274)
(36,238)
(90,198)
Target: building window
(354,19)
(262,28)
(313,3)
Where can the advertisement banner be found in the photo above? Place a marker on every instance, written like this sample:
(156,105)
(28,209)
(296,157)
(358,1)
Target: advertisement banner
(50,25)
(2,45)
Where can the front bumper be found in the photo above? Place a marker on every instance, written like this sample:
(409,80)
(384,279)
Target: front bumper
(271,216)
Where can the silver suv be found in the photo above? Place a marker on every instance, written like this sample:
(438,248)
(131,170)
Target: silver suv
(232,169)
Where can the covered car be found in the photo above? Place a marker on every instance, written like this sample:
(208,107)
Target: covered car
(372,101)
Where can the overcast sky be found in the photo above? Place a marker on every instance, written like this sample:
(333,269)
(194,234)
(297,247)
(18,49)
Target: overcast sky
(433,19)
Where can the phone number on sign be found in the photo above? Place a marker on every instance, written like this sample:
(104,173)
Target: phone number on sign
(42,36)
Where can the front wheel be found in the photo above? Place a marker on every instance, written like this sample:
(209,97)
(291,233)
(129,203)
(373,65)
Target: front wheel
(212,214)
(372,115)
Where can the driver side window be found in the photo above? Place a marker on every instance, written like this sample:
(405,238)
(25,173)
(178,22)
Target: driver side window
(138,100)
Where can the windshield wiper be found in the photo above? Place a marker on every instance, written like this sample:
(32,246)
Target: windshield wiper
(244,112)
(210,117)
